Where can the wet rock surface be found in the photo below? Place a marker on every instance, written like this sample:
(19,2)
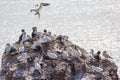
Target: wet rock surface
(54,57)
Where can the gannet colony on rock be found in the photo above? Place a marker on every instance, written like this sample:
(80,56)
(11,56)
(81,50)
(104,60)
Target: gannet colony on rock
(46,56)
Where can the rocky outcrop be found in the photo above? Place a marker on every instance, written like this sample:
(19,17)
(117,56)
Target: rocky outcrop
(51,57)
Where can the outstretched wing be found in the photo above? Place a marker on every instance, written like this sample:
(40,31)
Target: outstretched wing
(45,4)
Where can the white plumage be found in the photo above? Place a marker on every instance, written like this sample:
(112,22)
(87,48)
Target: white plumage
(7,48)
(21,48)
(75,53)
(23,57)
(65,54)
(37,66)
(43,40)
(38,10)
(98,69)
(106,55)
(48,38)
(52,55)
(25,37)
(37,43)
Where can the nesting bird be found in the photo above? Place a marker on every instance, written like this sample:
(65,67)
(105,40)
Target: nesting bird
(37,11)
(106,55)
(34,33)
(24,36)
(21,48)
(7,48)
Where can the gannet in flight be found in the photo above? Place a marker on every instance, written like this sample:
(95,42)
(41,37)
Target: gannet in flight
(37,11)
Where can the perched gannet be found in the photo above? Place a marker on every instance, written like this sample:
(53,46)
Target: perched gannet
(75,52)
(106,55)
(7,48)
(52,55)
(35,44)
(43,39)
(24,36)
(65,54)
(21,48)
(23,57)
(92,52)
(82,50)
(51,36)
(34,33)
(37,11)
(97,56)
(97,69)
(37,65)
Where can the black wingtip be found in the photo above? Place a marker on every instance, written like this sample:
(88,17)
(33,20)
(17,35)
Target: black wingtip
(45,4)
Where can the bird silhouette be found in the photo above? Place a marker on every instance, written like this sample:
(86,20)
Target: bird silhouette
(106,55)
(37,11)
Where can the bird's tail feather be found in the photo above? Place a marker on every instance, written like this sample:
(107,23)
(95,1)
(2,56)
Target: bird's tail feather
(39,15)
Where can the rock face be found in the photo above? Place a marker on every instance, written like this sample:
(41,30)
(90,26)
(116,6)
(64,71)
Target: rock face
(51,57)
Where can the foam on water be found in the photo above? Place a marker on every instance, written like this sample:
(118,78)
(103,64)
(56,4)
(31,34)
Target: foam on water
(89,23)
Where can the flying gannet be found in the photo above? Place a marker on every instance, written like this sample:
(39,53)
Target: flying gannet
(37,11)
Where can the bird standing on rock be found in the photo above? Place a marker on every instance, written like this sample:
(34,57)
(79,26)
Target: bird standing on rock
(37,11)
(7,48)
